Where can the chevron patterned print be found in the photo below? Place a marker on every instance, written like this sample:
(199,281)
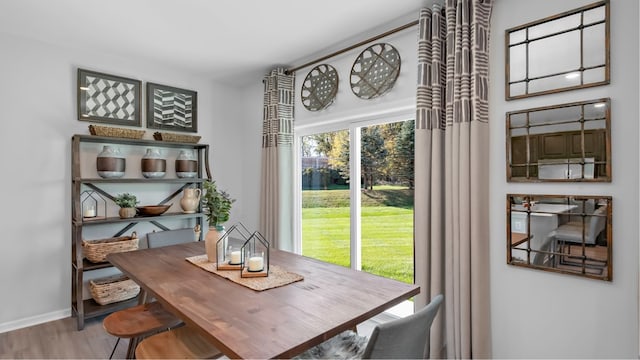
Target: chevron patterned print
(171,109)
(109,99)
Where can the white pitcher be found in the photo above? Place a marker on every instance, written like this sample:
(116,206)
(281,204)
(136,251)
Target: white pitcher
(190,200)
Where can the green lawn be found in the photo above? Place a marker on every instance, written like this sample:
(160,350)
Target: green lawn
(387,231)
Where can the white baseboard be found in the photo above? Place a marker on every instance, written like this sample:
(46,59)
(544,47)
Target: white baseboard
(34,320)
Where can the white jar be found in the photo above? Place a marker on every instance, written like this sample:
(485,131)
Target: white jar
(109,163)
(186,165)
(153,165)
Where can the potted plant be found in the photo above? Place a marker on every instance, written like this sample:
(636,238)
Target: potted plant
(127,203)
(216,204)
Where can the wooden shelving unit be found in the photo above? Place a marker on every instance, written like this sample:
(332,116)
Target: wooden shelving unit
(87,308)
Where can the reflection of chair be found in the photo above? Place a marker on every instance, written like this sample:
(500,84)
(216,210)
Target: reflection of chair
(574,232)
(544,255)
(405,338)
(142,320)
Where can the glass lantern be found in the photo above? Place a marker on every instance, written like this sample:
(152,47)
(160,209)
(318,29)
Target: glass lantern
(255,257)
(92,205)
(228,248)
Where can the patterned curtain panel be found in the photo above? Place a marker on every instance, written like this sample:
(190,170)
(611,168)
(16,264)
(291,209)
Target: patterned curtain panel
(451,172)
(276,198)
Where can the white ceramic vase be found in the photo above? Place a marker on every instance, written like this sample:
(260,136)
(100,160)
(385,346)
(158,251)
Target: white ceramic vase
(153,165)
(109,163)
(186,165)
(190,200)
(211,245)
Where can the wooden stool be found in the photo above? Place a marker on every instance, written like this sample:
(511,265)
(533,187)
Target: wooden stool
(178,343)
(137,321)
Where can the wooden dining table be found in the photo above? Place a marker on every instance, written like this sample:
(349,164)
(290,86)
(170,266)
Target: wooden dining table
(279,322)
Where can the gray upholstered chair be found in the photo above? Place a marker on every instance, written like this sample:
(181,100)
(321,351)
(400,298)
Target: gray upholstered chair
(572,231)
(405,338)
(139,321)
(562,237)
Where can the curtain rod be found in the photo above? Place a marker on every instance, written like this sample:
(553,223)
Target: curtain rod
(374,38)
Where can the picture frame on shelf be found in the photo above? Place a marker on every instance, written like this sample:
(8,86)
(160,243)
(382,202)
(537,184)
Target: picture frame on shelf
(171,108)
(108,99)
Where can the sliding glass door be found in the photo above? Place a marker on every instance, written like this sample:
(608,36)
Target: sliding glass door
(326,218)
(365,224)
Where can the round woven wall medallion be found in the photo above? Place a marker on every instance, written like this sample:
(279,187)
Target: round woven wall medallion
(320,87)
(375,71)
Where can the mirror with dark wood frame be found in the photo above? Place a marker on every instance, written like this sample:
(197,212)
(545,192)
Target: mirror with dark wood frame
(559,53)
(560,143)
(568,234)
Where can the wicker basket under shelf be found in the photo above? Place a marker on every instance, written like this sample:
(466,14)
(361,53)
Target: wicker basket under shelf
(112,289)
(97,250)
(115,132)
(171,137)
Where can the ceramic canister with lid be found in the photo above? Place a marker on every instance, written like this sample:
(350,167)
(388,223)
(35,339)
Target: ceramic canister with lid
(153,165)
(109,163)
(186,165)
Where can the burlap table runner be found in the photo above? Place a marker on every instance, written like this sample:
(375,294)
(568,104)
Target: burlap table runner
(277,276)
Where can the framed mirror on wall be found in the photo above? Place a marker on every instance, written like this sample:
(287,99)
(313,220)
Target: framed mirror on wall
(560,143)
(562,52)
(568,234)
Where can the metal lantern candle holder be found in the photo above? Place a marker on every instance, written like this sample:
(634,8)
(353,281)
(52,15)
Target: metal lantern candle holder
(93,205)
(228,253)
(255,257)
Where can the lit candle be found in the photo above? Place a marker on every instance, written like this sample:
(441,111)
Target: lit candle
(256,263)
(89,212)
(235,257)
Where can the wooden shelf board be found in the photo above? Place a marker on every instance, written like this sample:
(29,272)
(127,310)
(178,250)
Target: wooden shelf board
(88,265)
(141,142)
(93,309)
(140,180)
(116,219)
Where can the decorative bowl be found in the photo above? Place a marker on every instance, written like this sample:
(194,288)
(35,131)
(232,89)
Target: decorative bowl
(152,210)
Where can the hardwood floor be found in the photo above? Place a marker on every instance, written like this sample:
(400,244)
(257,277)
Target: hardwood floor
(60,340)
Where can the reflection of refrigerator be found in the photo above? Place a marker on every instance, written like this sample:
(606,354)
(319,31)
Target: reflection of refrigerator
(519,224)
(565,168)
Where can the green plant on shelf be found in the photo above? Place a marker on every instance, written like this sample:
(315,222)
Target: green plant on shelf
(126,200)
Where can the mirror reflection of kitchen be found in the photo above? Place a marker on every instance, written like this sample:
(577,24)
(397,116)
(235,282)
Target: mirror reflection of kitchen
(562,52)
(567,142)
(562,233)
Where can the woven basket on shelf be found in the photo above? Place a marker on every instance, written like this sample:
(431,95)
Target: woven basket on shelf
(115,132)
(112,289)
(97,250)
(171,137)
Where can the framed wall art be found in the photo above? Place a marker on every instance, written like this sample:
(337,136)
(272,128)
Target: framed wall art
(108,98)
(171,108)
(563,52)
(569,234)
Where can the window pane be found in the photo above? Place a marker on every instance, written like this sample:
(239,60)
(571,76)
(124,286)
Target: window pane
(325,197)
(387,162)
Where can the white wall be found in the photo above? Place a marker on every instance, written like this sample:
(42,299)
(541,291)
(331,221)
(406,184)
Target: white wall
(38,97)
(251,98)
(537,314)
